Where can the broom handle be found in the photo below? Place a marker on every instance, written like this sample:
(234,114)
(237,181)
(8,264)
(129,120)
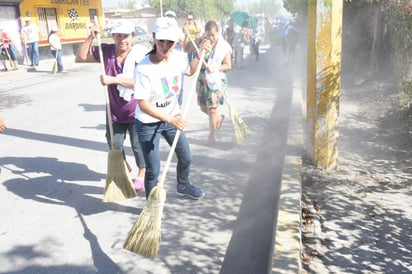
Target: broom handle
(184,112)
(8,55)
(106,90)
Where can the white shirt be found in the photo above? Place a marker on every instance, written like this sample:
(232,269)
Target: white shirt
(160,84)
(54,42)
(32,33)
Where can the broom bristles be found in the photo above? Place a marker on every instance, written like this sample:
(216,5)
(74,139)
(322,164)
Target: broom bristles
(144,237)
(54,67)
(119,185)
(242,131)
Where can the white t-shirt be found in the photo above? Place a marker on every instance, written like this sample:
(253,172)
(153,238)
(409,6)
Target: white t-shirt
(160,84)
(32,33)
(54,42)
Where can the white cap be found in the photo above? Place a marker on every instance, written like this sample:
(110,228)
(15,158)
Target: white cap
(166,28)
(170,13)
(190,16)
(122,26)
(27,18)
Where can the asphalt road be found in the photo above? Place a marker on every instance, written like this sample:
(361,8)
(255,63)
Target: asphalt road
(53,159)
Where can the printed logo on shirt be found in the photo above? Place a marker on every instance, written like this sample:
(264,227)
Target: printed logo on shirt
(170,88)
(164,104)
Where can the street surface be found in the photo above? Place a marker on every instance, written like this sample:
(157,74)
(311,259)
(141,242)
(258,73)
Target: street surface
(53,159)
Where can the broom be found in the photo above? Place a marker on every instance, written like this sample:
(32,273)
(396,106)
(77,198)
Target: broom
(144,237)
(242,131)
(118,182)
(54,67)
(8,55)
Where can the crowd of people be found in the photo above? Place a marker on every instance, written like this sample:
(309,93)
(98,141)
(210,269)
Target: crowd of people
(145,90)
(30,36)
(145,87)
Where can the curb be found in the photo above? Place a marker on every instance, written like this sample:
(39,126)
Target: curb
(287,240)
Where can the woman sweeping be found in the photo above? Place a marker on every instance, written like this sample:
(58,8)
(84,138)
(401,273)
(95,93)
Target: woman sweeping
(158,79)
(212,81)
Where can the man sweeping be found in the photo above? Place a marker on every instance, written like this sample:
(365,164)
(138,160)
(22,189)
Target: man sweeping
(120,59)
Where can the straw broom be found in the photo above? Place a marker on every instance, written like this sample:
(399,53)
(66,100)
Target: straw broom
(118,182)
(8,55)
(54,67)
(144,237)
(242,131)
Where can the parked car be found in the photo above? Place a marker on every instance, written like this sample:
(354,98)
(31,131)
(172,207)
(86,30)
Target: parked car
(142,36)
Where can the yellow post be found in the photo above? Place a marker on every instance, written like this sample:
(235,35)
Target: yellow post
(323,81)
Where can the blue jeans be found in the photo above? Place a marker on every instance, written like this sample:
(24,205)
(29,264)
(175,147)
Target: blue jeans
(58,55)
(119,134)
(34,53)
(149,137)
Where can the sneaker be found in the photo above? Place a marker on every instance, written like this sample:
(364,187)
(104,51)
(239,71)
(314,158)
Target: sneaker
(190,191)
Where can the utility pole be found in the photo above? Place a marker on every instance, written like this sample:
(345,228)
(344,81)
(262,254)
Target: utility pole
(323,81)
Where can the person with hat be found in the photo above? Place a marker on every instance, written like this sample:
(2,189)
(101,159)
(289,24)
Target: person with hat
(158,78)
(120,59)
(30,35)
(170,14)
(192,28)
(212,81)
(7,50)
(56,47)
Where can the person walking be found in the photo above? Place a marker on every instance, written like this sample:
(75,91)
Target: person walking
(257,36)
(212,80)
(56,48)
(7,50)
(241,39)
(191,27)
(157,85)
(30,35)
(120,59)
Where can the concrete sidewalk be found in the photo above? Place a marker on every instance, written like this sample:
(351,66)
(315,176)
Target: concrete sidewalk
(288,244)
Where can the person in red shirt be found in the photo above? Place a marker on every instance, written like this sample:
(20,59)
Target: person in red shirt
(7,50)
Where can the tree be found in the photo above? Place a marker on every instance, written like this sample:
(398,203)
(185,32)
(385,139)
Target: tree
(211,9)
(268,7)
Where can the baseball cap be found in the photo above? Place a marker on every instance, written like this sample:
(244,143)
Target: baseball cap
(170,13)
(190,16)
(27,18)
(166,28)
(122,26)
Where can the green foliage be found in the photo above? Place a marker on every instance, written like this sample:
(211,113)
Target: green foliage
(268,7)
(299,7)
(208,9)
(384,43)
(127,4)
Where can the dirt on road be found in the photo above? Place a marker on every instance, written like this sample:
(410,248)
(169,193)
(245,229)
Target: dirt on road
(358,218)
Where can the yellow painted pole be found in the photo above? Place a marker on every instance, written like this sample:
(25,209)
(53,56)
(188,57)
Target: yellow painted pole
(323,81)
